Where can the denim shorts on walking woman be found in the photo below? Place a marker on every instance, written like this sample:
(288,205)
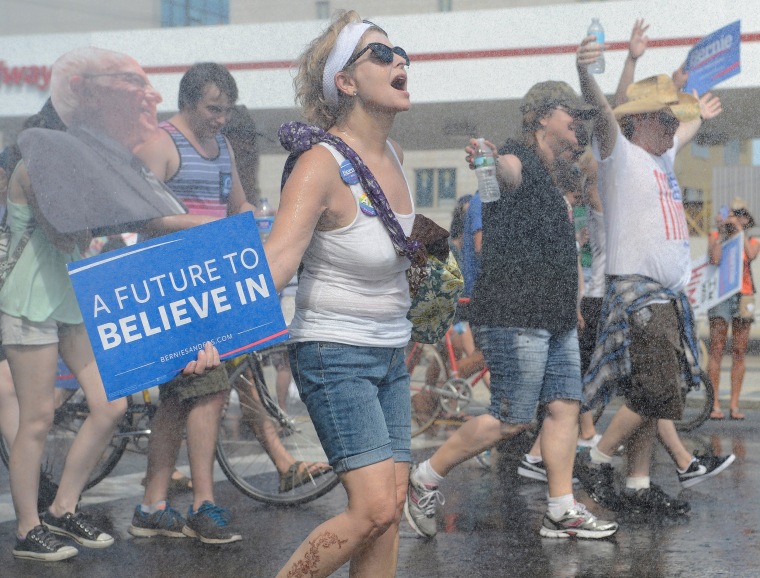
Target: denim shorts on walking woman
(529,366)
(358,399)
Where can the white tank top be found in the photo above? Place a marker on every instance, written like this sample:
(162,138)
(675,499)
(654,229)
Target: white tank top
(353,286)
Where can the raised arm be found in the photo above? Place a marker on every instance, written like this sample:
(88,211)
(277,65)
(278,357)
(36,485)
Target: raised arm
(636,48)
(605,126)
(508,167)
(709,107)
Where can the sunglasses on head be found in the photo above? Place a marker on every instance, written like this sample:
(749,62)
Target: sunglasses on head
(381,52)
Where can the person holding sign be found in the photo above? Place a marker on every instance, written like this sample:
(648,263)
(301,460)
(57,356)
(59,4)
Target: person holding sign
(350,328)
(646,331)
(737,310)
(63,189)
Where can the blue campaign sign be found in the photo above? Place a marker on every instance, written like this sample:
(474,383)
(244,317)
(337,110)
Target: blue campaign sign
(150,307)
(731,267)
(714,59)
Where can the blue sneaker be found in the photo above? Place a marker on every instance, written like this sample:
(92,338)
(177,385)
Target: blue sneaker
(210,524)
(167,522)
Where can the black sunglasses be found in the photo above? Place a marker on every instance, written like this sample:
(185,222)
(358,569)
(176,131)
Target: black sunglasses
(667,119)
(380,51)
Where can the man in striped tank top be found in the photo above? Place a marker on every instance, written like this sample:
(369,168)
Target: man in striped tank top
(192,157)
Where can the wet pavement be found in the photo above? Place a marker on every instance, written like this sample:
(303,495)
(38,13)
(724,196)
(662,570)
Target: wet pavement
(489,524)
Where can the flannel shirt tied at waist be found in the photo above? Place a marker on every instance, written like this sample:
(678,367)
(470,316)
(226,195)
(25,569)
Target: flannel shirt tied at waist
(611,362)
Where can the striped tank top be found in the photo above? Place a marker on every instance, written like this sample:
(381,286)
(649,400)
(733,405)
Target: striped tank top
(202,183)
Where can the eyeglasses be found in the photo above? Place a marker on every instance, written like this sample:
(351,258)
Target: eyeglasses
(381,52)
(129,77)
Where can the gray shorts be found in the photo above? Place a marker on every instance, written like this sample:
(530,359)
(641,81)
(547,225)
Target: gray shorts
(21,331)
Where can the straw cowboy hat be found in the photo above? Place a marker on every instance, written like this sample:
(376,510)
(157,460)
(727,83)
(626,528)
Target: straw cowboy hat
(658,93)
(739,208)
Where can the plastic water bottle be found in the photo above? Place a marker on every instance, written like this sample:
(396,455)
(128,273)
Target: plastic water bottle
(596,30)
(264,215)
(485,169)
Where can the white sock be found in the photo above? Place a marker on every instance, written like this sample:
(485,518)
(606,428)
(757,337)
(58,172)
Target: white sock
(533,459)
(638,483)
(427,476)
(559,505)
(683,471)
(153,508)
(598,457)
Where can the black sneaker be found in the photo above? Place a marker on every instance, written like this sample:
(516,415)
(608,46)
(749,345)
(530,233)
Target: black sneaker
(167,522)
(704,467)
(41,544)
(653,500)
(210,524)
(598,480)
(535,471)
(78,528)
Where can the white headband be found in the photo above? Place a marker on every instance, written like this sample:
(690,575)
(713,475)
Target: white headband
(344,47)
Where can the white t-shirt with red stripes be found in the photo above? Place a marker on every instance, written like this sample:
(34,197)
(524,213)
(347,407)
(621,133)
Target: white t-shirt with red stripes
(645,222)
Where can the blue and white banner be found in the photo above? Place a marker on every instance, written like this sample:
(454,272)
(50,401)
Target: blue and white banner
(711,284)
(150,307)
(714,59)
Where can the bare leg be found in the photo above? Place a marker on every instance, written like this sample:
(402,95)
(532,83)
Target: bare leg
(740,330)
(202,433)
(163,447)
(376,495)
(623,425)
(640,449)
(588,428)
(718,335)
(34,369)
(96,431)
(558,440)
(475,435)
(8,405)
(668,435)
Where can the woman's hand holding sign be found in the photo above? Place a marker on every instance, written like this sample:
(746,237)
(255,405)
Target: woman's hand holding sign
(208,358)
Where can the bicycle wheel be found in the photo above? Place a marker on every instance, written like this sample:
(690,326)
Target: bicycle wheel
(254,426)
(66,423)
(428,374)
(698,404)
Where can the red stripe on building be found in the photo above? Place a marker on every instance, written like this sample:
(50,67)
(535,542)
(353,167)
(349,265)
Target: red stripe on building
(461,54)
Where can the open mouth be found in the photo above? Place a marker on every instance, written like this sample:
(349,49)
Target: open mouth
(399,83)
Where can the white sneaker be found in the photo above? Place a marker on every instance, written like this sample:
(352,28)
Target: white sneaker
(590,443)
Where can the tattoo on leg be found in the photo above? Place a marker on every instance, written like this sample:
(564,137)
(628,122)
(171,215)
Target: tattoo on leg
(308,566)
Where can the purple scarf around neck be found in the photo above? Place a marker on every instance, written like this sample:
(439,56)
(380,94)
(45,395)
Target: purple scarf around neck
(298,137)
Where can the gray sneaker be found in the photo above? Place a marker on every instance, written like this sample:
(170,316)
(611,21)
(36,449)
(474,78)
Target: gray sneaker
(420,506)
(578,522)
(210,524)
(167,522)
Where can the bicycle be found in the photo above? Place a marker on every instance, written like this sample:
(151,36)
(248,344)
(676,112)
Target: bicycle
(438,392)
(252,406)
(239,453)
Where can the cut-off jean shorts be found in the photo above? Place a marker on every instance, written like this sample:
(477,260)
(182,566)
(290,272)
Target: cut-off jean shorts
(358,399)
(529,367)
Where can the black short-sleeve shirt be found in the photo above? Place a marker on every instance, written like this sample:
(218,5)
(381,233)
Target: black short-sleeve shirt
(529,270)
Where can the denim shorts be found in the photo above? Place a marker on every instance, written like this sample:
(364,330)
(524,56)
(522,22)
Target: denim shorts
(358,399)
(529,366)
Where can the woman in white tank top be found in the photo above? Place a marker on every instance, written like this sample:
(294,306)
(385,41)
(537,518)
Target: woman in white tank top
(350,327)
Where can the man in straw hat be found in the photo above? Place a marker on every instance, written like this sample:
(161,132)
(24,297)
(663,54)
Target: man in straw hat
(641,350)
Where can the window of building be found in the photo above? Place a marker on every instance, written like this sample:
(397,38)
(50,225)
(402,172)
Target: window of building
(756,152)
(194,12)
(731,152)
(435,187)
(445,5)
(700,151)
(323,9)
